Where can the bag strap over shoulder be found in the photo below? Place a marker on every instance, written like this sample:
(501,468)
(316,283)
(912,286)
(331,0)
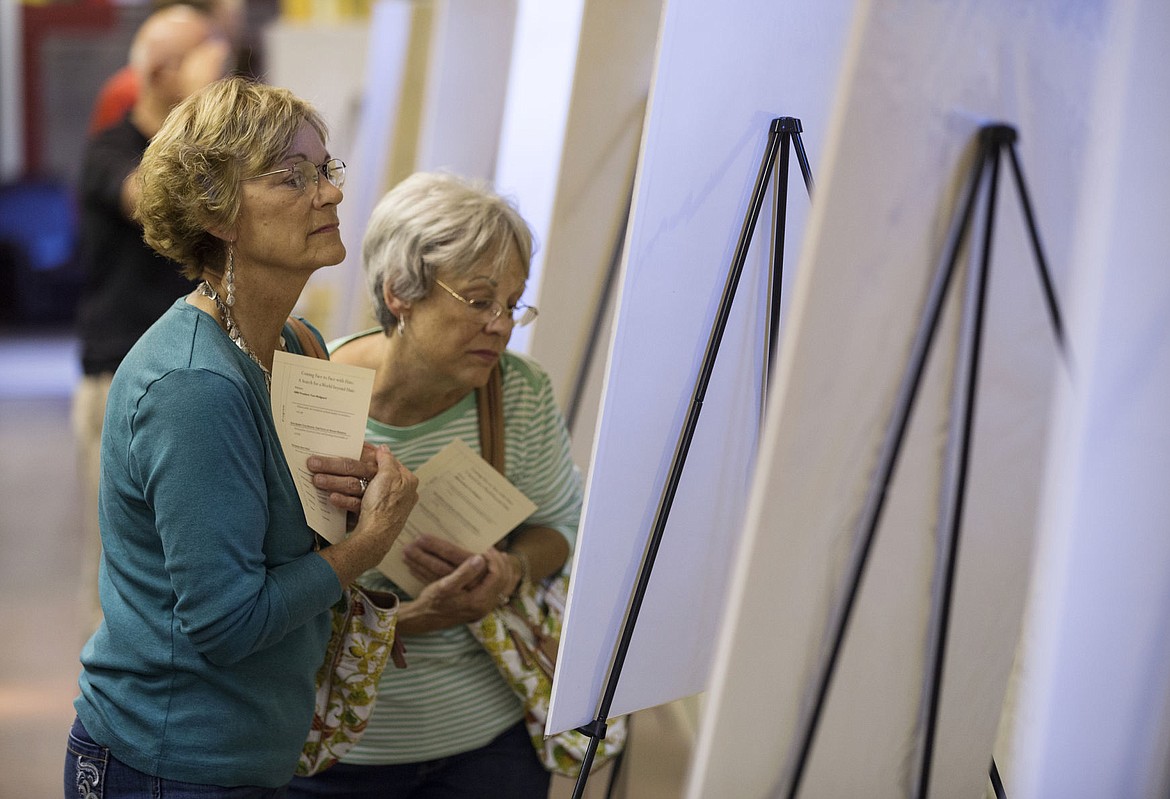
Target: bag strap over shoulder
(309,344)
(489,400)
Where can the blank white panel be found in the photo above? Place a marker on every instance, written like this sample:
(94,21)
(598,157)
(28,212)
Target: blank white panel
(602,138)
(536,112)
(723,73)
(921,79)
(358,96)
(467,80)
(385,68)
(335,92)
(1095,703)
(11,93)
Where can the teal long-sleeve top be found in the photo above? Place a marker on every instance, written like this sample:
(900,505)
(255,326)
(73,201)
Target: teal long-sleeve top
(215,602)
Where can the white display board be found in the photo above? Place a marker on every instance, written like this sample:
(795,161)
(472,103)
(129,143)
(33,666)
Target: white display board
(922,78)
(359,98)
(11,95)
(710,109)
(535,116)
(467,81)
(1093,701)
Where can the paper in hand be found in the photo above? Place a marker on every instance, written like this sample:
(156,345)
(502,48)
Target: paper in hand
(463,499)
(320,408)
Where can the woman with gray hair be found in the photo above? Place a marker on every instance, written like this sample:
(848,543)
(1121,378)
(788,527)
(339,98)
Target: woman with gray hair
(200,679)
(446,262)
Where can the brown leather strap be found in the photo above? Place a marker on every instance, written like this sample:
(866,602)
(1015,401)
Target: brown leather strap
(489,400)
(309,344)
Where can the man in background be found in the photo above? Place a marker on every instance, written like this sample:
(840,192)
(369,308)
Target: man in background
(177,50)
(118,93)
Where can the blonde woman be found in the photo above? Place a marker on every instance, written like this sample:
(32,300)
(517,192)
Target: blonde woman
(200,680)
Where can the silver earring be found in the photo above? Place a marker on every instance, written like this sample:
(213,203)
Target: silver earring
(230,276)
(401,326)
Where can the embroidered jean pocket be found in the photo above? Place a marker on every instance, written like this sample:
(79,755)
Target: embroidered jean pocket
(87,764)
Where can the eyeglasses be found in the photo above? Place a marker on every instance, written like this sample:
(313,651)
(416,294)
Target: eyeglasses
(303,172)
(491,310)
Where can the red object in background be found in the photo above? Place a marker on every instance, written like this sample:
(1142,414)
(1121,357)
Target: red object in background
(39,22)
(117,96)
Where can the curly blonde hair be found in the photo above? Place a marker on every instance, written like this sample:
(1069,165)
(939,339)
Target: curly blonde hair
(190,174)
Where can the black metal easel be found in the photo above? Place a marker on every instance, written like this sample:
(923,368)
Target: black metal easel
(783,132)
(994,140)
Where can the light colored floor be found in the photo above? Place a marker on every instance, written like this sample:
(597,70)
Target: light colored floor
(41,624)
(653,766)
(41,629)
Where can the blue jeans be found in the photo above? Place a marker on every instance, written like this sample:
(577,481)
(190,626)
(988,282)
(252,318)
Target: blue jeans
(91,772)
(506,768)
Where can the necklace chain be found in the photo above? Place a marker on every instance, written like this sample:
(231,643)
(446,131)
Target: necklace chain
(233,330)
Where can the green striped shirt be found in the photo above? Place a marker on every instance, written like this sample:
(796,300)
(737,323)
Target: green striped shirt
(451,699)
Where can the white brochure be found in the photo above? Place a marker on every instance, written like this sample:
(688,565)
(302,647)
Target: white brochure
(460,498)
(320,408)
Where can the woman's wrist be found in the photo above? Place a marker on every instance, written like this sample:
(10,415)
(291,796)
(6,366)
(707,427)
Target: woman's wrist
(415,618)
(522,569)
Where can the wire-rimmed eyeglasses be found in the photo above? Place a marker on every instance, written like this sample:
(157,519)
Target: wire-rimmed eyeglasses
(303,172)
(490,310)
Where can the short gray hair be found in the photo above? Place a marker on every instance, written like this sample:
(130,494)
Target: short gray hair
(433,222)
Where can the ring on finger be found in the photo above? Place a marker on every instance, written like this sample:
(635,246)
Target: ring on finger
(364,483)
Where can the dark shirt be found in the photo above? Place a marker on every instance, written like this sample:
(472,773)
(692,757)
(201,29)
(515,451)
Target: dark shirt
(127,284)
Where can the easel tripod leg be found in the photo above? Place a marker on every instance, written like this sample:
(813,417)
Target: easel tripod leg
(887,461)
(777,131)
(678,460)
(949,537)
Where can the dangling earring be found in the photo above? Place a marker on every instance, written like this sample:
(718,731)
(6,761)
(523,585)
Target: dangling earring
(401,326)
(230,275)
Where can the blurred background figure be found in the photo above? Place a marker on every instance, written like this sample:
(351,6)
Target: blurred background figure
(120,90)
(176,51)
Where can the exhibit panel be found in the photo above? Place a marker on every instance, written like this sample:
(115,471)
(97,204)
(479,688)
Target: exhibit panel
(359,99)
(1094,714)
(710,110)
(467,81)
(582,247)
(922,80)
(533,127)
